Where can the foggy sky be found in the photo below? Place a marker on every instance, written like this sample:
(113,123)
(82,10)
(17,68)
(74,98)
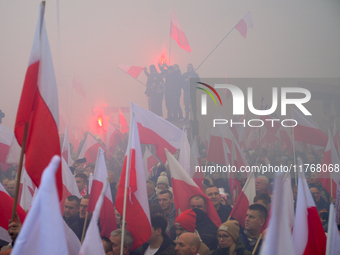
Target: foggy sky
(290,39)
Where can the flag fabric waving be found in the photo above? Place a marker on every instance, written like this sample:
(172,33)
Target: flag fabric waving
(43,230)
(184,188)
(157,131)
(149,161)
(124,128)
(38,107)
(308,234)
(134,71)
(65,150)
(176,33)
(133,181)
(114,137)
(92,243)
(107,218)
(245,23)
(333,237)
(90,149)
(6,138)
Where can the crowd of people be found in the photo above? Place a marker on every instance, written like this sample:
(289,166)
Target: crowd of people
(190,231)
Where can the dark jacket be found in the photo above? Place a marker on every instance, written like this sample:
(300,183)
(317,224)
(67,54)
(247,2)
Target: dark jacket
(206,228)
(153,200)
(240,250)
(167,247)
(224,212)
(249,243)
(73,223)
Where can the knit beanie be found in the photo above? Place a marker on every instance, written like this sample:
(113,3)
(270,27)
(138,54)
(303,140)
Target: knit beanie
(231,227)
(163,178)
(187,220)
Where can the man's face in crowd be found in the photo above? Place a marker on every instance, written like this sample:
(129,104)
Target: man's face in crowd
(316,194)
(180,230)
(198,203)
(83,207)
(80,183)
(314,178)
(164,201)
(184,246)
(11,188)
(260,184)
(70,209)
(115,244)
(214,195)
(253,220)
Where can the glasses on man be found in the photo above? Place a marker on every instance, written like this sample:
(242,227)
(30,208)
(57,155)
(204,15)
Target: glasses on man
(223,237)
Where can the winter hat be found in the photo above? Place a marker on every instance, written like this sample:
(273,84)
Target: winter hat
(187,220)
(163,178)
(231,227)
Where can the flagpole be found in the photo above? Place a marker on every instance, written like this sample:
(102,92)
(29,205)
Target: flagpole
(257,244)
(84,228)
(132,76)
(19,173)
(126,183)
(214,48)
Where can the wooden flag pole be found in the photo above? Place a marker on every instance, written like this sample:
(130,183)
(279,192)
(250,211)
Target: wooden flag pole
(19,172)
(84,227)
(257,244)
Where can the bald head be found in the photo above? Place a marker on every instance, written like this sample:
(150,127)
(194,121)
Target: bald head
(187,244)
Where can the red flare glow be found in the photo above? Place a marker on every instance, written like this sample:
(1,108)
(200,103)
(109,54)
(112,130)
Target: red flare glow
(100,121)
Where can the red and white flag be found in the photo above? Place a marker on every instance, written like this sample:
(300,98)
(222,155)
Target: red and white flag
(330,158)
(278,239)
(124,128)
(244,200)
(6,138)
(308,234)
(195,158)
(333,237)
(157,131)
(69,184)
(184,188)
(79,88)
(132,181)
(65,150)
(114,137)
(90,149)
(184,153)
(38,107)
(149,161)
(6,206)
(107,213)
(62,120)
(134,71)
(245,23)
(43,230)
(176,33)
(306,131)
(26,190)
(92,243)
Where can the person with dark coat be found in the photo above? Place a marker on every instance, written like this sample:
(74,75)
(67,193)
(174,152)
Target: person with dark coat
(229,242)
(214,195)
(154,90)
(71,217)
(189,90)
(159,243)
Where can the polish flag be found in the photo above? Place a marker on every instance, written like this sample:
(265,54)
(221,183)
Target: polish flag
(330,158)
(43,231)
(308,234)
(245,23)
(92,243)
(114,137)
(107,213)
(333,237)
(124,128)
(278,239)
(216,152)
(134,71)
(157,131)
(244,200)
(6,206)
(69,184)
(176,33)
(38,108)
(195,160)
(286,137)
(65,150)
(62,120)
(79,88)
(253,138)
(13,155)
(149,161)
(306,131)
(90,149)
(26,190)
(184,153)
(6,138)
(184,188)
(268,138)
(132,181)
